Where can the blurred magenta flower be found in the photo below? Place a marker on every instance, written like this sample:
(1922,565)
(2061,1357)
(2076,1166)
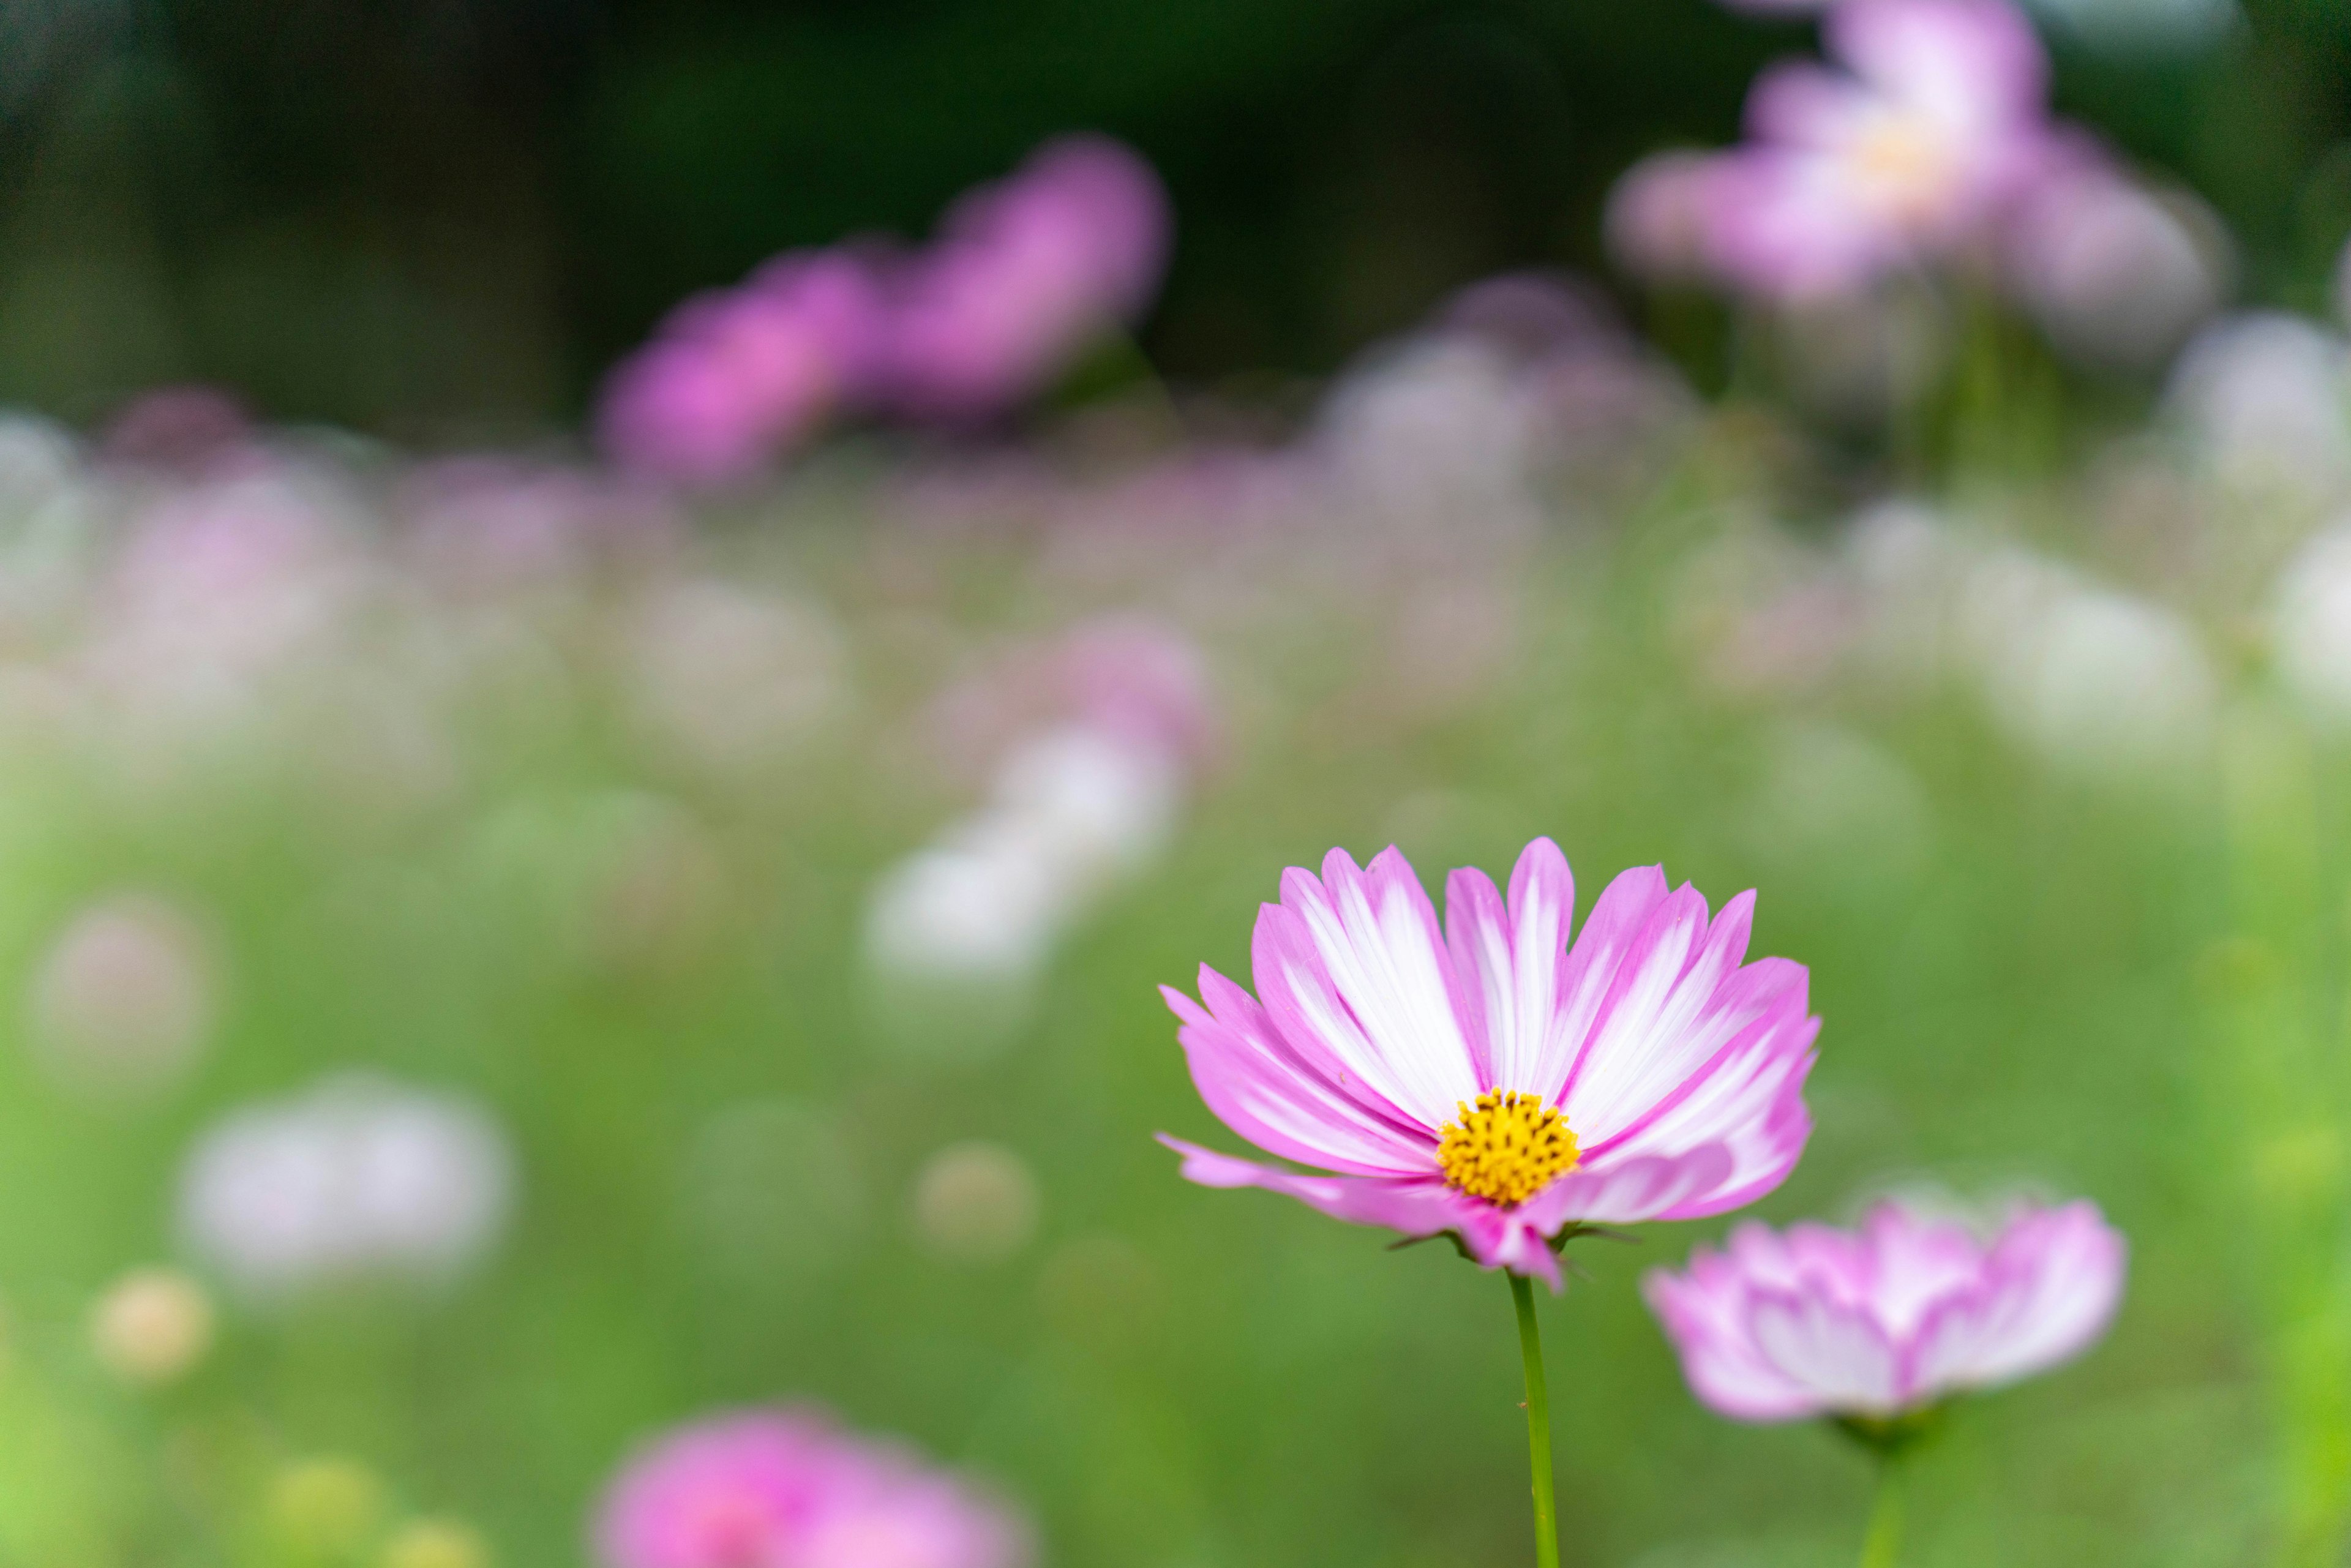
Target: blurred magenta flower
(1813,1320)
(1025,275)
(788,1489)
(1493,1080)
(735,377)
(1936,118)
(1938,115)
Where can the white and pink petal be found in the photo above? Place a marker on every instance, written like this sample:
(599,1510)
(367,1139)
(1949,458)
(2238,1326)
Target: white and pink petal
(1353,968)
(1263,1092)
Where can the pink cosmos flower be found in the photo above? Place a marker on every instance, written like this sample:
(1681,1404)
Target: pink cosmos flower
(788,1489)
(1494,1080)
(1940,113)
(1025,272)
(1814,1321)
(735,377)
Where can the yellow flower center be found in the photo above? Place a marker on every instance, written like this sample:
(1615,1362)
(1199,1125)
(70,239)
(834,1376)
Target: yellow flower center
(1507,1147)
(1903,161)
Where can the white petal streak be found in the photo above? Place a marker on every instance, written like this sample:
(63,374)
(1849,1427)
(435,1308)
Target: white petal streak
(1658,1023)
(1373,983)
(1832,1350)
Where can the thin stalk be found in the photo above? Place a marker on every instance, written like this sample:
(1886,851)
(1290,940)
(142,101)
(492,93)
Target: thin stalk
(1523,1293)
(1883,1546)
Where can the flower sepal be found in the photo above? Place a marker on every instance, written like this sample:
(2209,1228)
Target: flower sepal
(1400,1243)
(1557,1243)
(1890,1437)
(1567,1233)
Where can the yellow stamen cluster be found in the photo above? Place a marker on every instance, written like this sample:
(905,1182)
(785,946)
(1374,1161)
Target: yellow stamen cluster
(1507,1147)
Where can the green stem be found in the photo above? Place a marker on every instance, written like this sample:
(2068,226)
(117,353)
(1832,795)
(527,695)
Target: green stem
(1883,1548)
(1522,1292)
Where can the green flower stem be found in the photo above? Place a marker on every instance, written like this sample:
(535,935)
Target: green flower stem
(1883,1547)
(1522,1292)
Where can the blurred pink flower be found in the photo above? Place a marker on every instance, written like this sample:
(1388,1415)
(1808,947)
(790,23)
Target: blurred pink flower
(1144,683)
(2117,276)
(736,377)
(1025,273)
(1939,114)
(1814,1321)
(1137,680)
(124,998)
(1655,221)
(788,1489)
(189,430)
(1493,1080)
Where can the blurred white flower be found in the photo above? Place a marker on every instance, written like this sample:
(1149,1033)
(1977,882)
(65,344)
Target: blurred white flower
(40,464)
(984,908)
(1433,428)
(1092,802)
(122,1001)
(355,1179)
(2097,681)
(2309,623)
(1073,808)
(2261,396)
(2117,276)
(976,1203)
(151,1327)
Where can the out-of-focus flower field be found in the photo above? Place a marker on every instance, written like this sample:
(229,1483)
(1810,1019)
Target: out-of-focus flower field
(507,955)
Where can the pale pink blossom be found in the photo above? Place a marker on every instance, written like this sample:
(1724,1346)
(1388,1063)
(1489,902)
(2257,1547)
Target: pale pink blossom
(2117,275)
(1932,117)
(1493,1080)
(788,1488)
(1893,1317)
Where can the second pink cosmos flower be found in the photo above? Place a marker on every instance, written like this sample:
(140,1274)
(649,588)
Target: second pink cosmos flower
(1495,1079)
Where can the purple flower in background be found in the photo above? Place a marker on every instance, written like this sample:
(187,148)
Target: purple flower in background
(1936,116)
(1940,111)
(2117,276)
(1813,1320)
(1025,273)
(1494,1080)
(735,377)
(788,1489)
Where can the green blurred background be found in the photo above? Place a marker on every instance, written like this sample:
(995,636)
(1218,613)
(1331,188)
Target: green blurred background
(440,220)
